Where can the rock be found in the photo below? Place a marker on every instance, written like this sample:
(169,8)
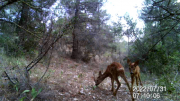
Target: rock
(97,59)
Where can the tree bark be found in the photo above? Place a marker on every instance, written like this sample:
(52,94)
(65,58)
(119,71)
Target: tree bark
(75,32)
(23,22)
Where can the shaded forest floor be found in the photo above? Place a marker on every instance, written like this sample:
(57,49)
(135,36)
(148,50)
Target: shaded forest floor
(67,80)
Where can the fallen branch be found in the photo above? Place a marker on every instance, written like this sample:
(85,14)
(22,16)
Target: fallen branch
(8,77)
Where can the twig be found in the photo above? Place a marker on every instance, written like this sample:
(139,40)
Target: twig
(40,56)
(46,67)
(20,73)
(9,78)
(36,8)
(43,54)
(3,98)
(9,3)
(176,75)
(163,36)
(21,28)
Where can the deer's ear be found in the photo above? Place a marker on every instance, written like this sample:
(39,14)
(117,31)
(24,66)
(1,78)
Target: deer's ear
(136,63)
(100,73)
(128,61)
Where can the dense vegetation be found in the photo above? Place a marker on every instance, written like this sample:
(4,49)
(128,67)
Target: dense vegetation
(34,31)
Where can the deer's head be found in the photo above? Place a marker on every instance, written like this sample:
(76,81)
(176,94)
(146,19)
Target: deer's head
(132,66)
(99,79)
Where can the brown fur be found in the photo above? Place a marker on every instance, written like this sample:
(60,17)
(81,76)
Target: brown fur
(135,73)
(113,70)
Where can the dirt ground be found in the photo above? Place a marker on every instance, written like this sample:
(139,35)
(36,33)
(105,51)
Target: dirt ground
(68,80)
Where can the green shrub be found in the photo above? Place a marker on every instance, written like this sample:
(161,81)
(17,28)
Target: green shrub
(9,45)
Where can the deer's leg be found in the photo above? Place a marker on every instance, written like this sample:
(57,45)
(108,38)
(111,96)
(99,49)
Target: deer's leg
(132,83)
(119,84)
(137,83)
(140,80)
(124,78)
(112,82)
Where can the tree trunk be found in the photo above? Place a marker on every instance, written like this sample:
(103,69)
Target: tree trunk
(23,22)
(75,32)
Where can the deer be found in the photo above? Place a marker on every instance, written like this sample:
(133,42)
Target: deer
(134,70)
(113,70)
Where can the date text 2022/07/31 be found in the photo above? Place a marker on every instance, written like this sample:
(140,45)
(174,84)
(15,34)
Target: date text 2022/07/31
(148,92)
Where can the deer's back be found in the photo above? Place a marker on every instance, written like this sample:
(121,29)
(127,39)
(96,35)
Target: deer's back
(115,68)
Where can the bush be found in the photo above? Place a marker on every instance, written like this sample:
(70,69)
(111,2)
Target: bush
(9,45)
(12,47)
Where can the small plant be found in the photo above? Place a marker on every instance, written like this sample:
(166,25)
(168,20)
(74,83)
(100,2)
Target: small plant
(61,73)
(52,71)
(76,65)
(16,87)
(80,75)
(61,60)
(25,91)
(34,93)
(94,87)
